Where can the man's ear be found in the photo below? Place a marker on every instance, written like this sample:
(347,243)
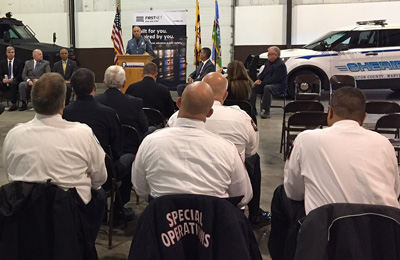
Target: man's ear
(210,112)
(179,102)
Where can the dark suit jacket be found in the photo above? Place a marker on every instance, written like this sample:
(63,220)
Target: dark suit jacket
(70,68)
(129,109)
(154,95)
(18,66)
(42,67)
(103,120)
(208,67)
(276,74)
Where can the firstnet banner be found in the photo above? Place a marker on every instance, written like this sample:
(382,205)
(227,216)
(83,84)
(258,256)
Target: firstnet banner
(166,31)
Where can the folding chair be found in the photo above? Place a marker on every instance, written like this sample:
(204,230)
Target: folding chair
(293,107)
(154,117)
(380,108)
(131,139)
(111,188)
(390,125)
(301,121)
(244,105)
(338,81)
(307,87)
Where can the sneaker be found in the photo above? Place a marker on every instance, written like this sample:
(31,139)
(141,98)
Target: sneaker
(263,219)
(13,107)
(265,114)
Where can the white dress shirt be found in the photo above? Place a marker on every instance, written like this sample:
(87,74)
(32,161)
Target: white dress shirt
(344,163)
(50,148)
(188,159)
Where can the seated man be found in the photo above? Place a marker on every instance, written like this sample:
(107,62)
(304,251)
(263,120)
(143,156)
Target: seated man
(206,66)
(271,81)
(154,95)
(236,126)
(65,67)
(33,70)
(11,75)
(344,163)
(50,148)
(129,109)
(106,126)
(188,159)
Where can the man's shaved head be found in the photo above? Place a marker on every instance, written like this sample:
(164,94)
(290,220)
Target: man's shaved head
(218,84)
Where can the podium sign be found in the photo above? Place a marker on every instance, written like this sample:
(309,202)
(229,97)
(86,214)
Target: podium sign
(133,66)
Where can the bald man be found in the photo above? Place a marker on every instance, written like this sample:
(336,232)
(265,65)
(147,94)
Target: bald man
(235,125)
(187,158)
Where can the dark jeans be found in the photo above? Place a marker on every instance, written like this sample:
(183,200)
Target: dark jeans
(284,225)
(252,164)
(268,91)
(96,209)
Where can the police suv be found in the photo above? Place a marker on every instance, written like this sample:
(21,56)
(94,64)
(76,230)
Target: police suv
(370,52)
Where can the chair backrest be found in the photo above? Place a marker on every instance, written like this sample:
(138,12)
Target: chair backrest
(350,231)
(388,124)
(307,87)
(303,105)
(193,227)
(382,107)
(154,117)
(243,104)
(307,120)
(131,139)
(338,81)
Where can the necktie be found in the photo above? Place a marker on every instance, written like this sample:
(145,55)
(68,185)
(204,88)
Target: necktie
(64,66)
(34,69)
(9,69)
(199,70)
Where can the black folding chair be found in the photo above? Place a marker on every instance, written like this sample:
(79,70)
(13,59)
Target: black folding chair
(154,117)
(380,108)
(293,107)
(307,87)
(244,105)
(301,121)
(339,81)
(131,139)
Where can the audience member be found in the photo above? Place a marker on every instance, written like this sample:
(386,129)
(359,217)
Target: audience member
(33,70)
(154,95)
(139,44)
(344,163)
(129,109)
(11,75)
(65,67)
(239,82)
(237,127)
(106,126)
(50,148)
(187,158)
(206,66)
(272,81)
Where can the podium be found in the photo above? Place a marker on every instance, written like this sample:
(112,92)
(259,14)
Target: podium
(133,66)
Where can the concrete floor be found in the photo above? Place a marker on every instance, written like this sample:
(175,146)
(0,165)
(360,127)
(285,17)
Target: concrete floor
(271,167)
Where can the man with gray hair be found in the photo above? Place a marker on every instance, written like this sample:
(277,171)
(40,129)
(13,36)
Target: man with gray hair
(129,109)
(10,76)
(50,148)
(33,70)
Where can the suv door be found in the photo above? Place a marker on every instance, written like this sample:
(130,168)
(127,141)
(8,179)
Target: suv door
(390,41)
(357,55)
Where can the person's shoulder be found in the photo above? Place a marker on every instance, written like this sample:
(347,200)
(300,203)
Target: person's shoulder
(72,62)
(46,62)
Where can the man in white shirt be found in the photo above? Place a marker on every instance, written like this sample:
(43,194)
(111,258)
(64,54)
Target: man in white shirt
(50,148)
(187,158)
(344,163)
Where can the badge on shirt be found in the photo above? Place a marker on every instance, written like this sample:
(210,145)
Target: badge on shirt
(142,43)
(254,125)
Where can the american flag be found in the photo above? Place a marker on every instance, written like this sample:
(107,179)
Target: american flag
(116,35)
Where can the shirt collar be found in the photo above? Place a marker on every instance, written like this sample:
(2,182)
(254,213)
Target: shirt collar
(49,119)
(189,123)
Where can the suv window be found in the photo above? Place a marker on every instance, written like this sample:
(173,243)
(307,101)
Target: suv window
(390,38)
(360,39)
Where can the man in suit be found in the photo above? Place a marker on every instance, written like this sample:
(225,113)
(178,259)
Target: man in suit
(11,75)
(129,109)
(272,81)
(106,126)
(154,95)
(33,70)
(139,44)
(65,67)
(206,66)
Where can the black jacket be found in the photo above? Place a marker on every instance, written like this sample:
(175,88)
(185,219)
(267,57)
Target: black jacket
(18,67)
(193,227)
(41,221)
(275,74)
(154,95)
